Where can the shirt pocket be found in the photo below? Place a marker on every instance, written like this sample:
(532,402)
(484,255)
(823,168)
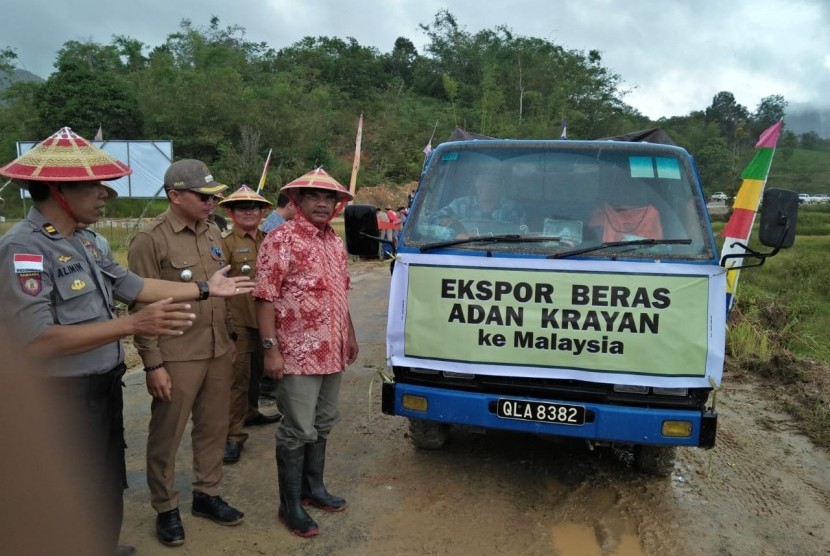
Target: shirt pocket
(80,300)
(180,268)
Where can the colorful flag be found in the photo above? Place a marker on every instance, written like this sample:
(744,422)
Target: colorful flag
(356,163)
(745,207)
(264,172)
(564,134)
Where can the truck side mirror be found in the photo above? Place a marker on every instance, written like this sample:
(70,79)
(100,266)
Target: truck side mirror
(362,231)
(778,217)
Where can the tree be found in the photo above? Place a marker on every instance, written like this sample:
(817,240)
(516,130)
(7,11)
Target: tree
(76,97)
(714,162)
(7,58)
(770,110)
(401,61)
(787,145)
(451,88)
(728,114)
(354,69)
(88,57)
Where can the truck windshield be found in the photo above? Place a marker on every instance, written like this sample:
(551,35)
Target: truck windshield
(549,197)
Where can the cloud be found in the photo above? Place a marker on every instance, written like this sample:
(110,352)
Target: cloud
(674,56)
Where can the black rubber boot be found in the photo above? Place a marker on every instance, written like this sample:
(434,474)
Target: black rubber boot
(290,475)
(314,491)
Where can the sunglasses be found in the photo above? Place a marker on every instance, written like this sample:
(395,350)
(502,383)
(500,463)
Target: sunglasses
(204,197)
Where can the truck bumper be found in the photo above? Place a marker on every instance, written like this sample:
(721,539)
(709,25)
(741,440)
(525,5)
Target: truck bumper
(609,423)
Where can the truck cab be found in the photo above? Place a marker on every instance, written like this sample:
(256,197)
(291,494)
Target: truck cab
(563,288)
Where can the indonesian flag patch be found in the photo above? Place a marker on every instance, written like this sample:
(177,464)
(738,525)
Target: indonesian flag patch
(25,263)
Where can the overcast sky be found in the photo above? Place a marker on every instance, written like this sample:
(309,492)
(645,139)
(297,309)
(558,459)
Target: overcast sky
(673,55)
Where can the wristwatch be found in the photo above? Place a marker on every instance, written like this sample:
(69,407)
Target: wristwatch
(268,343)
(204,290)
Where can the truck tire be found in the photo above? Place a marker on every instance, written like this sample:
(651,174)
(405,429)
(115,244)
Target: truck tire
(655,460)
(428,435)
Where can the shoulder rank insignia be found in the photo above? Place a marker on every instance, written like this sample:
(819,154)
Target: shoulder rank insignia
(50,229)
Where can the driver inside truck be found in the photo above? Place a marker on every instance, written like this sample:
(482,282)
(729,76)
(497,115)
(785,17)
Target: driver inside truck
(486,202)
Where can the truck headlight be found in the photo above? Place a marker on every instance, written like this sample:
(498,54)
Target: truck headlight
(629,389)
(421,371)
(671,391)
(452,374)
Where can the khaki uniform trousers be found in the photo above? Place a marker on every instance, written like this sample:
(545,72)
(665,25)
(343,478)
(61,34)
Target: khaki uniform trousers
(247,349)
(200,388)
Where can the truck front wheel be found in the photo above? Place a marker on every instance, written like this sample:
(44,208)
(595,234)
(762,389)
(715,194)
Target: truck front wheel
(655,460)
(427,434)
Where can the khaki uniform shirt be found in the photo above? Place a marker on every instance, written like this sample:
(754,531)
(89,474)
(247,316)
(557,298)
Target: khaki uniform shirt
(169,250)
(47,279)
(240,249)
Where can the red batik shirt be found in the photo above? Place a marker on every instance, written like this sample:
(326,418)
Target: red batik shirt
(302,270)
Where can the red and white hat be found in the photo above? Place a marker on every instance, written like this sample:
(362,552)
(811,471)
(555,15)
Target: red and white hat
(317,179)
(244,195)
(65,157)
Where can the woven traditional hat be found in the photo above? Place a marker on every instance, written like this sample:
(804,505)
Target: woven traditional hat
(65,157)
(317,179)
(243,195)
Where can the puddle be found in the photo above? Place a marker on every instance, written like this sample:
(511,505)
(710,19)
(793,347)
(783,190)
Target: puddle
(574,539)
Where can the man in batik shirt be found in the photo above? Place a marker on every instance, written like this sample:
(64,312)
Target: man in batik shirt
(308,338)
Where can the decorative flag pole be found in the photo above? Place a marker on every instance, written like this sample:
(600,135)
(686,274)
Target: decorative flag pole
(356,163)
(264,172)
(745,207)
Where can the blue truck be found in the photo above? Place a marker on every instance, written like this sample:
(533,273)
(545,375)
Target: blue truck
(563,288)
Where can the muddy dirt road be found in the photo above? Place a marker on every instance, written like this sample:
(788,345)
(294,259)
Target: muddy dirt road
(764,490)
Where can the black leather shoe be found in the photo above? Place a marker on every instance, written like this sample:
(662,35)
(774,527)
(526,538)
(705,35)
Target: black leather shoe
(261,419)
(124,550)
(215,509)
(232,452)
(169,529)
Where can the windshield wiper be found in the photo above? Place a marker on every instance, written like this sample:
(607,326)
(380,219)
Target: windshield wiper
(503,238)
(607,244)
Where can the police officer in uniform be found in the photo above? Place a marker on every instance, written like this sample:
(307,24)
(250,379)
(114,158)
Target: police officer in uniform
(190,375)
(58,291)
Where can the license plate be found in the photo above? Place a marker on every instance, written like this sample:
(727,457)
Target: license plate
(541,412)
